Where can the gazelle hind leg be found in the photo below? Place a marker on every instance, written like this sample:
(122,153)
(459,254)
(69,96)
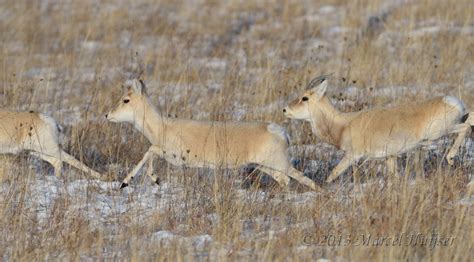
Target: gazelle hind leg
(392,165)
(43,144)
(463,130)
(54,161)
(470,188)
(292,172)
(282,179)
(280,162)
(419,163)
(149,171)
(78,164)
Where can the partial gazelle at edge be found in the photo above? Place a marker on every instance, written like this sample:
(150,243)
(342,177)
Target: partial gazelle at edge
(205,143)
(39,135)
(382,131)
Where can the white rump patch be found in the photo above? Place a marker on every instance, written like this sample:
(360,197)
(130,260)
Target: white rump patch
(280,131)
(54,128)
(50,121)
(454,102)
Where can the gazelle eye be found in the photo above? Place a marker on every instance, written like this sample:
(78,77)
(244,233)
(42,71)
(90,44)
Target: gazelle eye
(126,100)
(305,98)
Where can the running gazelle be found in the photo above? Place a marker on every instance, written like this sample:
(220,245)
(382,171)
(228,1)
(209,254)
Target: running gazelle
(383,131)
(205,143)
(38,134)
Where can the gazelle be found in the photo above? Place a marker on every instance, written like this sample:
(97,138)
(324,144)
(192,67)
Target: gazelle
(380,132)
(204,143)
(38,134)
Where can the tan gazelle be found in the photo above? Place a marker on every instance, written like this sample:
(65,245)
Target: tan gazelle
(38,134)
(382,131)
(205,143)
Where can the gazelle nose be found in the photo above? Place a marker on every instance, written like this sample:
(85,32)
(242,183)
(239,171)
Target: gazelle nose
(106,115)
(284,110)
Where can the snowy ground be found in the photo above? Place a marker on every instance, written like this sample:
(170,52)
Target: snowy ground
(105,206)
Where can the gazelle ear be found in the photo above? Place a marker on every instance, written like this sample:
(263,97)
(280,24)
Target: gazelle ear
(138,86)
(318,85)
(320,90)
(143,87)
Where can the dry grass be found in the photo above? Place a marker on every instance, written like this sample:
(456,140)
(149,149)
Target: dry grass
(229,60)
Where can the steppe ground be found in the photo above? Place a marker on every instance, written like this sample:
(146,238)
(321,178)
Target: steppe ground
(242,61)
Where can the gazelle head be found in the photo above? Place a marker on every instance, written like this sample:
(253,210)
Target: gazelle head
(300,108)
(131,103)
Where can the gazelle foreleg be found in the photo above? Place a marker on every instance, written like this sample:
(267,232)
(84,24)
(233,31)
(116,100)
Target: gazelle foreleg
(137,168)
(462,130)
(341,167)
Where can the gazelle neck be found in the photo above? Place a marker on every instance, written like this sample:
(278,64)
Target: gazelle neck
(151,123)
(327,122)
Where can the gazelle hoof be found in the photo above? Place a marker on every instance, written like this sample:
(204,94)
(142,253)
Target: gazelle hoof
(450,160)
(124,185)
(314,187)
